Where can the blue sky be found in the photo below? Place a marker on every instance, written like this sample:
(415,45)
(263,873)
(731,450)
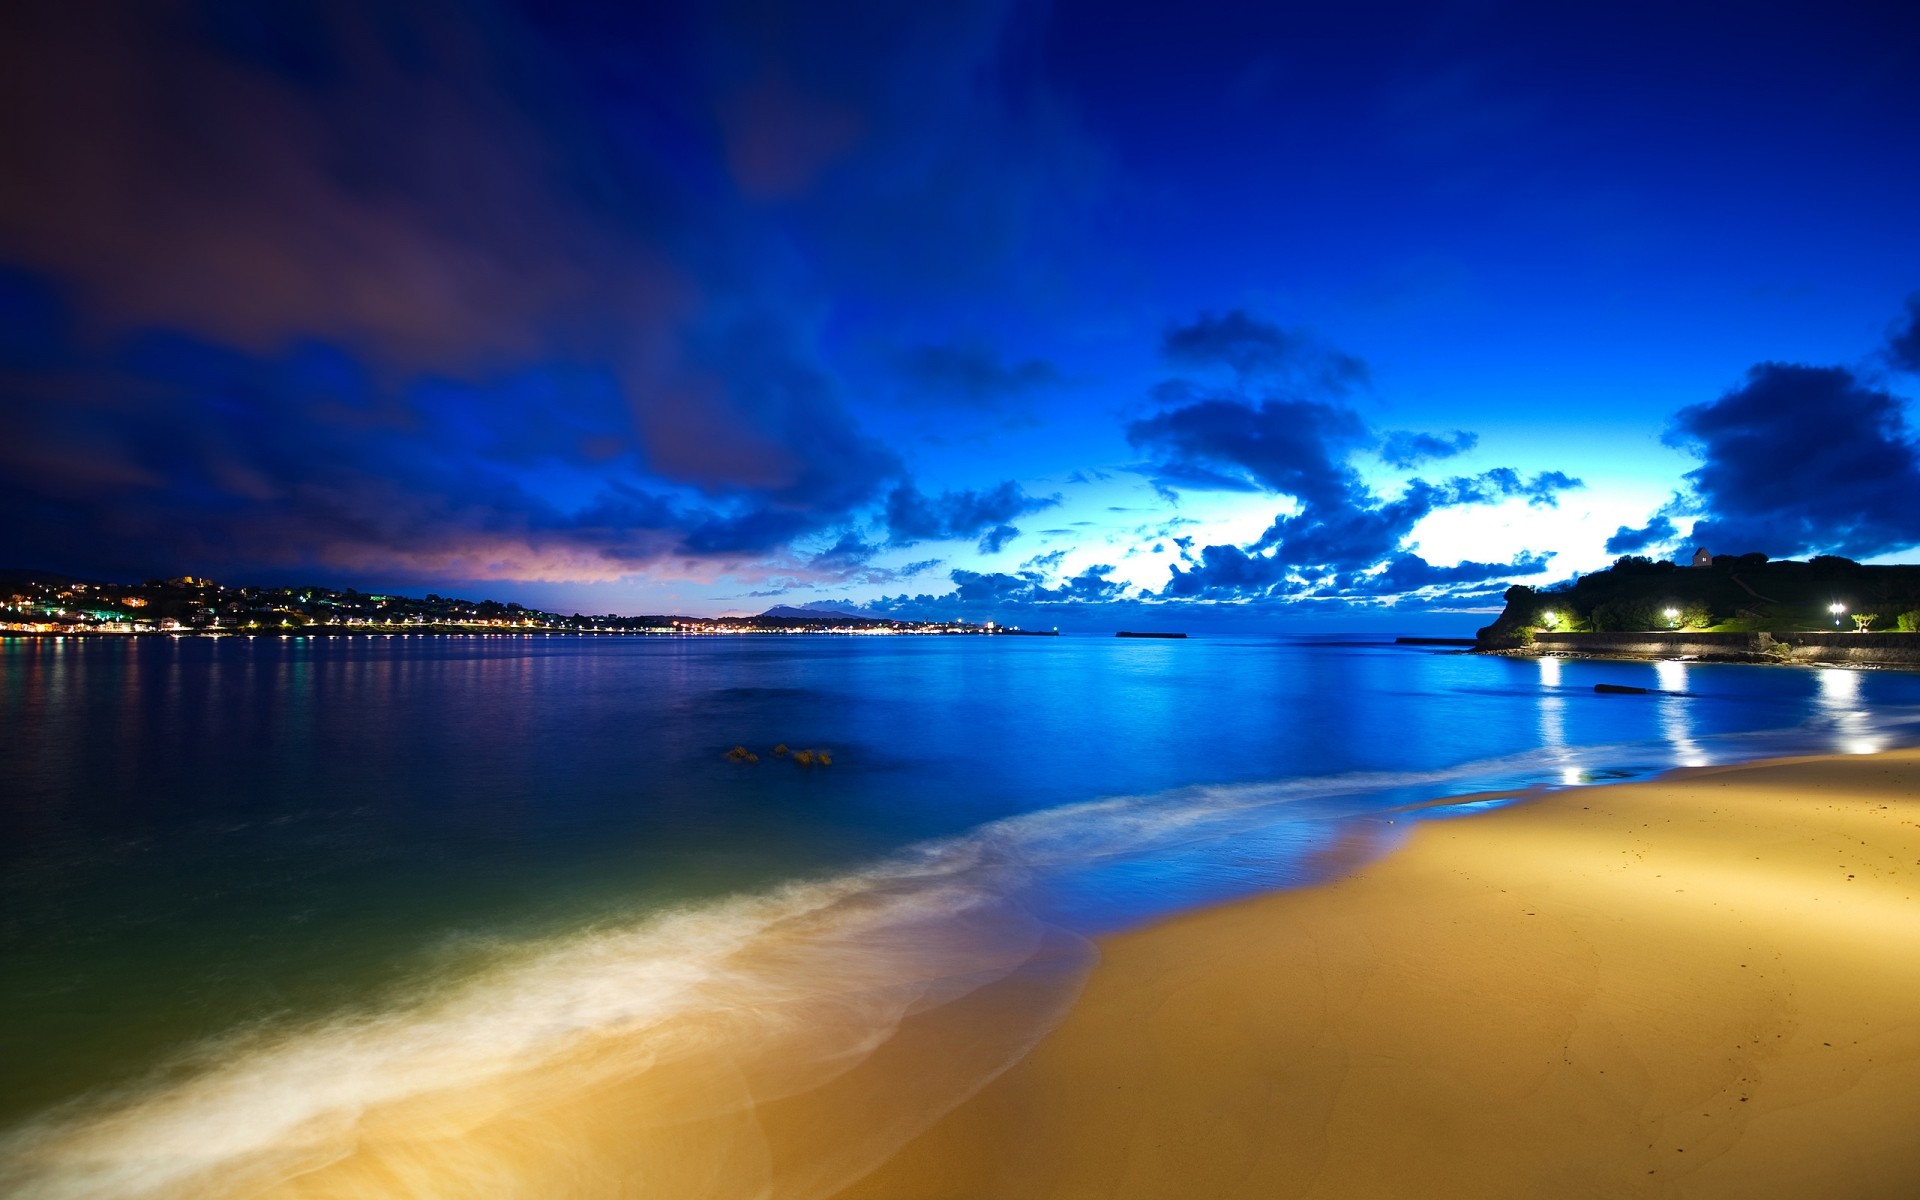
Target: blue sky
(1241,315)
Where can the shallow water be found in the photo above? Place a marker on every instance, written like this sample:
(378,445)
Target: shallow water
(343,915)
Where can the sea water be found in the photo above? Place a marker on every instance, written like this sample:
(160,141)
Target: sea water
(498,915)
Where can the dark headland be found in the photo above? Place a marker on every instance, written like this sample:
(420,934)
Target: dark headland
(1729,608)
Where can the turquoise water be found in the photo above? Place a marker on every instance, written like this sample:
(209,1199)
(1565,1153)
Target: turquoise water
(207,841)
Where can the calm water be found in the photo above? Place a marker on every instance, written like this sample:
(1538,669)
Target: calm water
(199,837)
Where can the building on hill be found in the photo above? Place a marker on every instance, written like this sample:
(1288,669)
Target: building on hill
(1701,558)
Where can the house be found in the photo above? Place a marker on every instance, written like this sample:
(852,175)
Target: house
(1701,558)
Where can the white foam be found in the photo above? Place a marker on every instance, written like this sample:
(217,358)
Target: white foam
(854,953)
(825,970)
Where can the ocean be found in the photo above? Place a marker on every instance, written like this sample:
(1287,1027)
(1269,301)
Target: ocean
(499,915)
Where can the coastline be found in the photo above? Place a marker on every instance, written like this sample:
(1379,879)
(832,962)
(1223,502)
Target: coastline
(1699,985)
(1898,651)
(1536,990)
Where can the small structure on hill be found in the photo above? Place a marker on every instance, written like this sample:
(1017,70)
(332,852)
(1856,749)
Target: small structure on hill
(1701,558)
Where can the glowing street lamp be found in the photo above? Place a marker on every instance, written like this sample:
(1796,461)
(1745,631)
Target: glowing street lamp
(1551,618)
(1836,608)
(1673,618)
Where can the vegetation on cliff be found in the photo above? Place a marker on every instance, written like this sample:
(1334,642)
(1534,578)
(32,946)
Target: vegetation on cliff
(1744,593)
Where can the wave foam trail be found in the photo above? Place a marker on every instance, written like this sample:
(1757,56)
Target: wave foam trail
(778,1045)
(667,1058)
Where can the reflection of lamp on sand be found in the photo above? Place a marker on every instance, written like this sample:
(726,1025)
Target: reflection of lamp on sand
(1836,608)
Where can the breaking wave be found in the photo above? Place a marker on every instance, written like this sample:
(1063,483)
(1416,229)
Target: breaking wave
(773,1045)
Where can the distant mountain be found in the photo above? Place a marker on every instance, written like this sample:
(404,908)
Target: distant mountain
(789,612)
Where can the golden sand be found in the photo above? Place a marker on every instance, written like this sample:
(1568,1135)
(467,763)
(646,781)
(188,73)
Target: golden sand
(1703,986)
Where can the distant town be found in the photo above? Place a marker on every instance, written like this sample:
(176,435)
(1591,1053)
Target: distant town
(44,604)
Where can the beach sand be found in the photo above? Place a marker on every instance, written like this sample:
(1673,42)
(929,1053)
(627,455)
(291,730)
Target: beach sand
(1706,985)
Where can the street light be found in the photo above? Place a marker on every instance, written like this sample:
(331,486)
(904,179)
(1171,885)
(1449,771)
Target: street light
(1673,617)
(1836,608)
(1551,618)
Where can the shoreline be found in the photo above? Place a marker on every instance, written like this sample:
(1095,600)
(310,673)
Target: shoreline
(1884,649)
(1536,992)
(1711,660)
(1697,985)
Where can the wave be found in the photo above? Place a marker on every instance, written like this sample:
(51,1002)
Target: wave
(776,1045)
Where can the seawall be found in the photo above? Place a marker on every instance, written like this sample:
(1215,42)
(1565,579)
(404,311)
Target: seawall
(1871,649)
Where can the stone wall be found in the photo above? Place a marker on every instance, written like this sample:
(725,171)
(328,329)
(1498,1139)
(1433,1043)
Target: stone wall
(1871,649)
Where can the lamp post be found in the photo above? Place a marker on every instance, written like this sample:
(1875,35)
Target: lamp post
(1551,618)
(1673,618)
(1836,608)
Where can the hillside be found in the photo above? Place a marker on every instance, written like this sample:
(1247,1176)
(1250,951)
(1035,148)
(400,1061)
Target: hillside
(1743,593)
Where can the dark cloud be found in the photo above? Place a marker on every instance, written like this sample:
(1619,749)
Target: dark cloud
(1230,573)
(1656,532)
(1903,338)
(973,376)
(166,452)
(1223,441)
(914,516)
(491,288)
(1410,572)
(849,552)
(1253,348)
(1358,530)
(1007,597)
(1803,459)
(1258,435)
(755,414)
(1404,450)
(995,539)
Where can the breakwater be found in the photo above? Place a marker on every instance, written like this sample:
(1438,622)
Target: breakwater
(1871,649)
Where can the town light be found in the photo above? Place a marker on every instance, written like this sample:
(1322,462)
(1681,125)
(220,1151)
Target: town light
(1673,617)
(1551,618)
(1836,608)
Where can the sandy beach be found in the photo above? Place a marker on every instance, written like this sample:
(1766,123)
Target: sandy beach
(1706,985)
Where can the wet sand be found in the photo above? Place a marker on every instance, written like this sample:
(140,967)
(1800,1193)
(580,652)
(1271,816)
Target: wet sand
(1702,986)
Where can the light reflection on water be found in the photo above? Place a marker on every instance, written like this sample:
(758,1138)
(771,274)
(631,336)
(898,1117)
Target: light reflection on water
(198,836)
(1553,722)
(1841,697)
(1676,716)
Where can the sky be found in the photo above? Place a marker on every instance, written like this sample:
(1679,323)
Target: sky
(1215,316)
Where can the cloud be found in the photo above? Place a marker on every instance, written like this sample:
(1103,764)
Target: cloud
(1802,459)
(914,516)
(1903,338)
(972,376)
(440,290)
(849,552)
(993,595)
(1258,434)
(167,451)
(1358,530)
(1224,441)
(1410,572)
(995,539)
(1404,450)
(1256,349)
(1658,531)
(1230,573)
